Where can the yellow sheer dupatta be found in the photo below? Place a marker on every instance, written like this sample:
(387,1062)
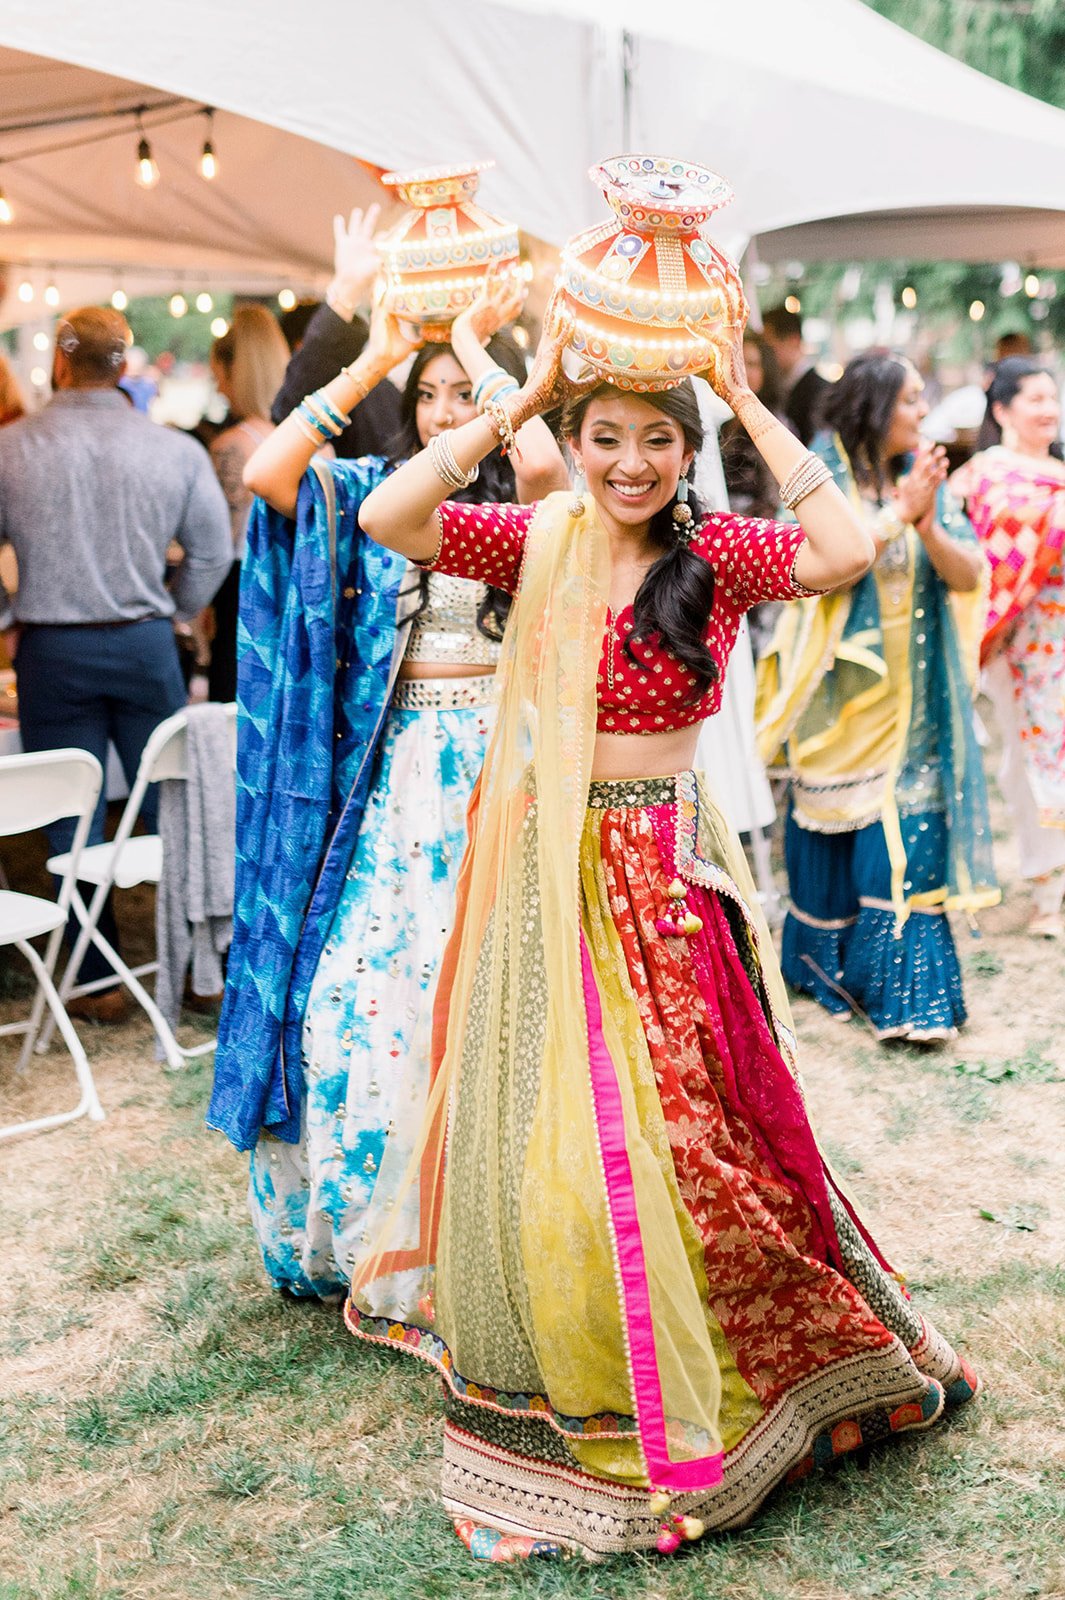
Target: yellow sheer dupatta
(529,1244)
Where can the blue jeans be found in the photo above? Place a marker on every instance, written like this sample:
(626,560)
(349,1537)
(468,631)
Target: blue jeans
(86,688)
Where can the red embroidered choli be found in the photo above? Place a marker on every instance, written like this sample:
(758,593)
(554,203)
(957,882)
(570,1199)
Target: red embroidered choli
(752,561)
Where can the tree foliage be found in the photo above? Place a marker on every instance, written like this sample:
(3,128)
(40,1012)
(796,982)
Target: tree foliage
(1021,43)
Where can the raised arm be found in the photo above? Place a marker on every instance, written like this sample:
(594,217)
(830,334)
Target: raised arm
(539,467)
(278,465)
(401,511)
(837,549)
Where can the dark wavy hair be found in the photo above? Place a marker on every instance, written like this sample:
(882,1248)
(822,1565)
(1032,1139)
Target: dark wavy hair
(860,408)
(494,483)
(1008,377)
(676,594)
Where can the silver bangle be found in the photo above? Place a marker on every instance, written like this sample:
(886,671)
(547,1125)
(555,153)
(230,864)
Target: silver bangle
(809,475)
(446,467)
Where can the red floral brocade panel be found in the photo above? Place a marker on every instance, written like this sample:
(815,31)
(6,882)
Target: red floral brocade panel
(752,561)
(744,1155)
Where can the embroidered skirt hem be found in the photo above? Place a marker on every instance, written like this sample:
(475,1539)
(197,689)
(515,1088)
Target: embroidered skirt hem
(816,1349)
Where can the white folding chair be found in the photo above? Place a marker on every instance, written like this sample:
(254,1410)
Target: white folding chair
(35,790)
(124,863)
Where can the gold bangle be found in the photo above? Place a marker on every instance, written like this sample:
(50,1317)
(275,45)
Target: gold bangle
(360,385)
(498,418)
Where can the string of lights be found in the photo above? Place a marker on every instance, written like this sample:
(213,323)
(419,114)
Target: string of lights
(140,119)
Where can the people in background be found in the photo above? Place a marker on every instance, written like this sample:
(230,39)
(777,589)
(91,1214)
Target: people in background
(12,405)
(91,495)
(752,489)
(335,336)
(248,366)
(1007,345)
(865,697)
(804,389)
(295,321)
(1015,495)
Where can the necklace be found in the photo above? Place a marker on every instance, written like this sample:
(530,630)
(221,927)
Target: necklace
(894,565)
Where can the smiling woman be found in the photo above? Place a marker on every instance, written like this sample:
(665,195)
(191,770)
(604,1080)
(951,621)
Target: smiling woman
(352,874)
(1015,495)
(614,1234)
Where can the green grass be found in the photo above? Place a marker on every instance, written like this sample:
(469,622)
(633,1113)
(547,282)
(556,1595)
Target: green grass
(1031,1065)
(192,1436)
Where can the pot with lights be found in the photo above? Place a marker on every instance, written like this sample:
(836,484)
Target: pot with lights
(438,253)
(649,296)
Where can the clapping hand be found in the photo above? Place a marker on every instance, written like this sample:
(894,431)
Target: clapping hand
(915,494)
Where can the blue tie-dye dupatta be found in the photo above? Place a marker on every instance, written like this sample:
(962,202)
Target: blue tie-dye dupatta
(318,644)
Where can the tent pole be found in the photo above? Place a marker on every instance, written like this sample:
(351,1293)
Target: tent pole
(628,78)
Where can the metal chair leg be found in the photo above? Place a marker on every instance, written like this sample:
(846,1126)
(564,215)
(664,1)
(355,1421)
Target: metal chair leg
(89,1104)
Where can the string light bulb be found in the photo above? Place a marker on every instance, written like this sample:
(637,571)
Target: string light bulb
(208,158)
(25,291)
(178,305)
(51,295)
(909,297)
(1031,285)
(204,303)
(286,299)
(119,300)
(147,170)
(147,167)
(41,342)
(976,311)
(793,304)
(219,327)
(6,212)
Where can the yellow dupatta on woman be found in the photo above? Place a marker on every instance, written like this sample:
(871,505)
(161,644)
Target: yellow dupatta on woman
(510,1262)
(875,726)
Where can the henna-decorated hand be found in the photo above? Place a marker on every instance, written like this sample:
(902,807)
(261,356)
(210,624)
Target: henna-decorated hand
(499,301)
(389,343)
(548,384)
(726,372)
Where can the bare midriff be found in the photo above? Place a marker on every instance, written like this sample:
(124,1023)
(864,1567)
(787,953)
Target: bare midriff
(444,669)
(644,755)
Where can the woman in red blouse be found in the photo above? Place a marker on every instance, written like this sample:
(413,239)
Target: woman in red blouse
(616,1237)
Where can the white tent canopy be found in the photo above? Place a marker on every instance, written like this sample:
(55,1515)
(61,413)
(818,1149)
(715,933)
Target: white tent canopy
(261,223)
(815,109)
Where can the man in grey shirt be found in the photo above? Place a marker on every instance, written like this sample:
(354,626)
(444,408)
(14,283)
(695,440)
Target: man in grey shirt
(92,494)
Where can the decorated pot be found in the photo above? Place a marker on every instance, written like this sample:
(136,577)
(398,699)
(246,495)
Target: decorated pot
(436,255)
(649,295)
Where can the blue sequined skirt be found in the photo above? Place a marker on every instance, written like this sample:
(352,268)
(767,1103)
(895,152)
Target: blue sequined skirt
(840,942)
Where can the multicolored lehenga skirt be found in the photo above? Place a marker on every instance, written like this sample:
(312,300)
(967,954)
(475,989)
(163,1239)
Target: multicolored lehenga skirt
(367,1023)
(818,1349)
